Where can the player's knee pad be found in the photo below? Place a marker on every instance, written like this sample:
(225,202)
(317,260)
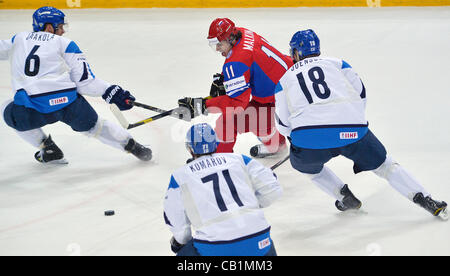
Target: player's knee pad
(109,133)
(387,168)
(96,130)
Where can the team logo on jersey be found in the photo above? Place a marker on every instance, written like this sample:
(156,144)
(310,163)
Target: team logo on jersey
(58,101)
(348,135)
(234,83)
(264,243)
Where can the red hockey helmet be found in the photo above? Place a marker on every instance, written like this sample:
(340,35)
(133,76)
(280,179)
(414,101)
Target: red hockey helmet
(221,28)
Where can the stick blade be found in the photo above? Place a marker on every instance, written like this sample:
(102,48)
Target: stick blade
(119,116)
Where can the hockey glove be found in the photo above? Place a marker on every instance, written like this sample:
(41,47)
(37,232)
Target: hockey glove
(116,95)
(217,87)
(175,246)
(196,106)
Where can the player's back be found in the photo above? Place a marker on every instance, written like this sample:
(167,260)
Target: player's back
(219,198)
(38,64)
(260,63)
(38,69)
(318,90)
(324,98)
(222,195)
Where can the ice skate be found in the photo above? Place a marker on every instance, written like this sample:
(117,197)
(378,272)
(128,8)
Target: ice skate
(436,208)
(138,150)
(50,153)
(349,201)
(262,151)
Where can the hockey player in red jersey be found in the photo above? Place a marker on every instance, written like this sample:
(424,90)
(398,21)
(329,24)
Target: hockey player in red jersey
(244,92)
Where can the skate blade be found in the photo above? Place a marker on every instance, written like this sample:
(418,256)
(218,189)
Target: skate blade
(269,155)
(443,214)
(57,162)
(357,210)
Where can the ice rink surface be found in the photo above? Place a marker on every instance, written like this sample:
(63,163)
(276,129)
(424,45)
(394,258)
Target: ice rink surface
(160,55)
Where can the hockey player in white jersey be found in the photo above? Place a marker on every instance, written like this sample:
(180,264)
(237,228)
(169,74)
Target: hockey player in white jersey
(49,76)
(221,195)
(320,106)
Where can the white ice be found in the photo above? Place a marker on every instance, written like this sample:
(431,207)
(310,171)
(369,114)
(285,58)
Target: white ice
(402,54)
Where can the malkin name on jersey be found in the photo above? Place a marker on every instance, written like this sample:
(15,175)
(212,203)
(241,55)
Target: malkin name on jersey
(207,163)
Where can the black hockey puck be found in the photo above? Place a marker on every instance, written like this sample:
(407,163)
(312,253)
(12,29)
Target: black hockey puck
(109,213)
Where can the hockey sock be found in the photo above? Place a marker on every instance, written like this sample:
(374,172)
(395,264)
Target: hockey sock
(109,133)
(400,179)
(328,182)
(33,137)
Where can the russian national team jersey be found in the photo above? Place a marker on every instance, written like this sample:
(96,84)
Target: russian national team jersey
(221,196)
(46,70)
(320,103)
(253,63)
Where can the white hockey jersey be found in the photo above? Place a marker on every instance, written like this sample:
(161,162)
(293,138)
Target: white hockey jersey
(221,196)
(320,103)
(48,70)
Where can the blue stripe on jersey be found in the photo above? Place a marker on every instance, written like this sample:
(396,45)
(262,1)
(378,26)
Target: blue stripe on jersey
(345,65)
(262,86)
(13,38)
(246,159)
(278,88)
(253,245)
(72,48)
(90,71)
(327,137)
(46,102)
(173,183)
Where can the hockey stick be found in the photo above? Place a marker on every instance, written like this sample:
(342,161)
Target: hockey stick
(149,107)
(279,163)
(159,110)
(125,124)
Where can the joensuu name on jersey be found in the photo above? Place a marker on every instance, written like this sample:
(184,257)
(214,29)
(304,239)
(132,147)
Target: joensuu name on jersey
(304,62)
(40,36)
(206,163)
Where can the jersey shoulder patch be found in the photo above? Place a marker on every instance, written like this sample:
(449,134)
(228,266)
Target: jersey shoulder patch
(345,65)
(246,159)
(73,48)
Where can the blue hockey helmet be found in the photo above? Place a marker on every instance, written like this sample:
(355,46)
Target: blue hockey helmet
(201,139)
(306,43)
(47,15)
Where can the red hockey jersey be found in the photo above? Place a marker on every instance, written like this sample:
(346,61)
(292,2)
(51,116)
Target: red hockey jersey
(252,68)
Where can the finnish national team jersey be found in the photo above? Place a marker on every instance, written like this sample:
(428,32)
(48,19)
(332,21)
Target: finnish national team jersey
(253,63)
(48,71)
(320,103)
(221,196)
